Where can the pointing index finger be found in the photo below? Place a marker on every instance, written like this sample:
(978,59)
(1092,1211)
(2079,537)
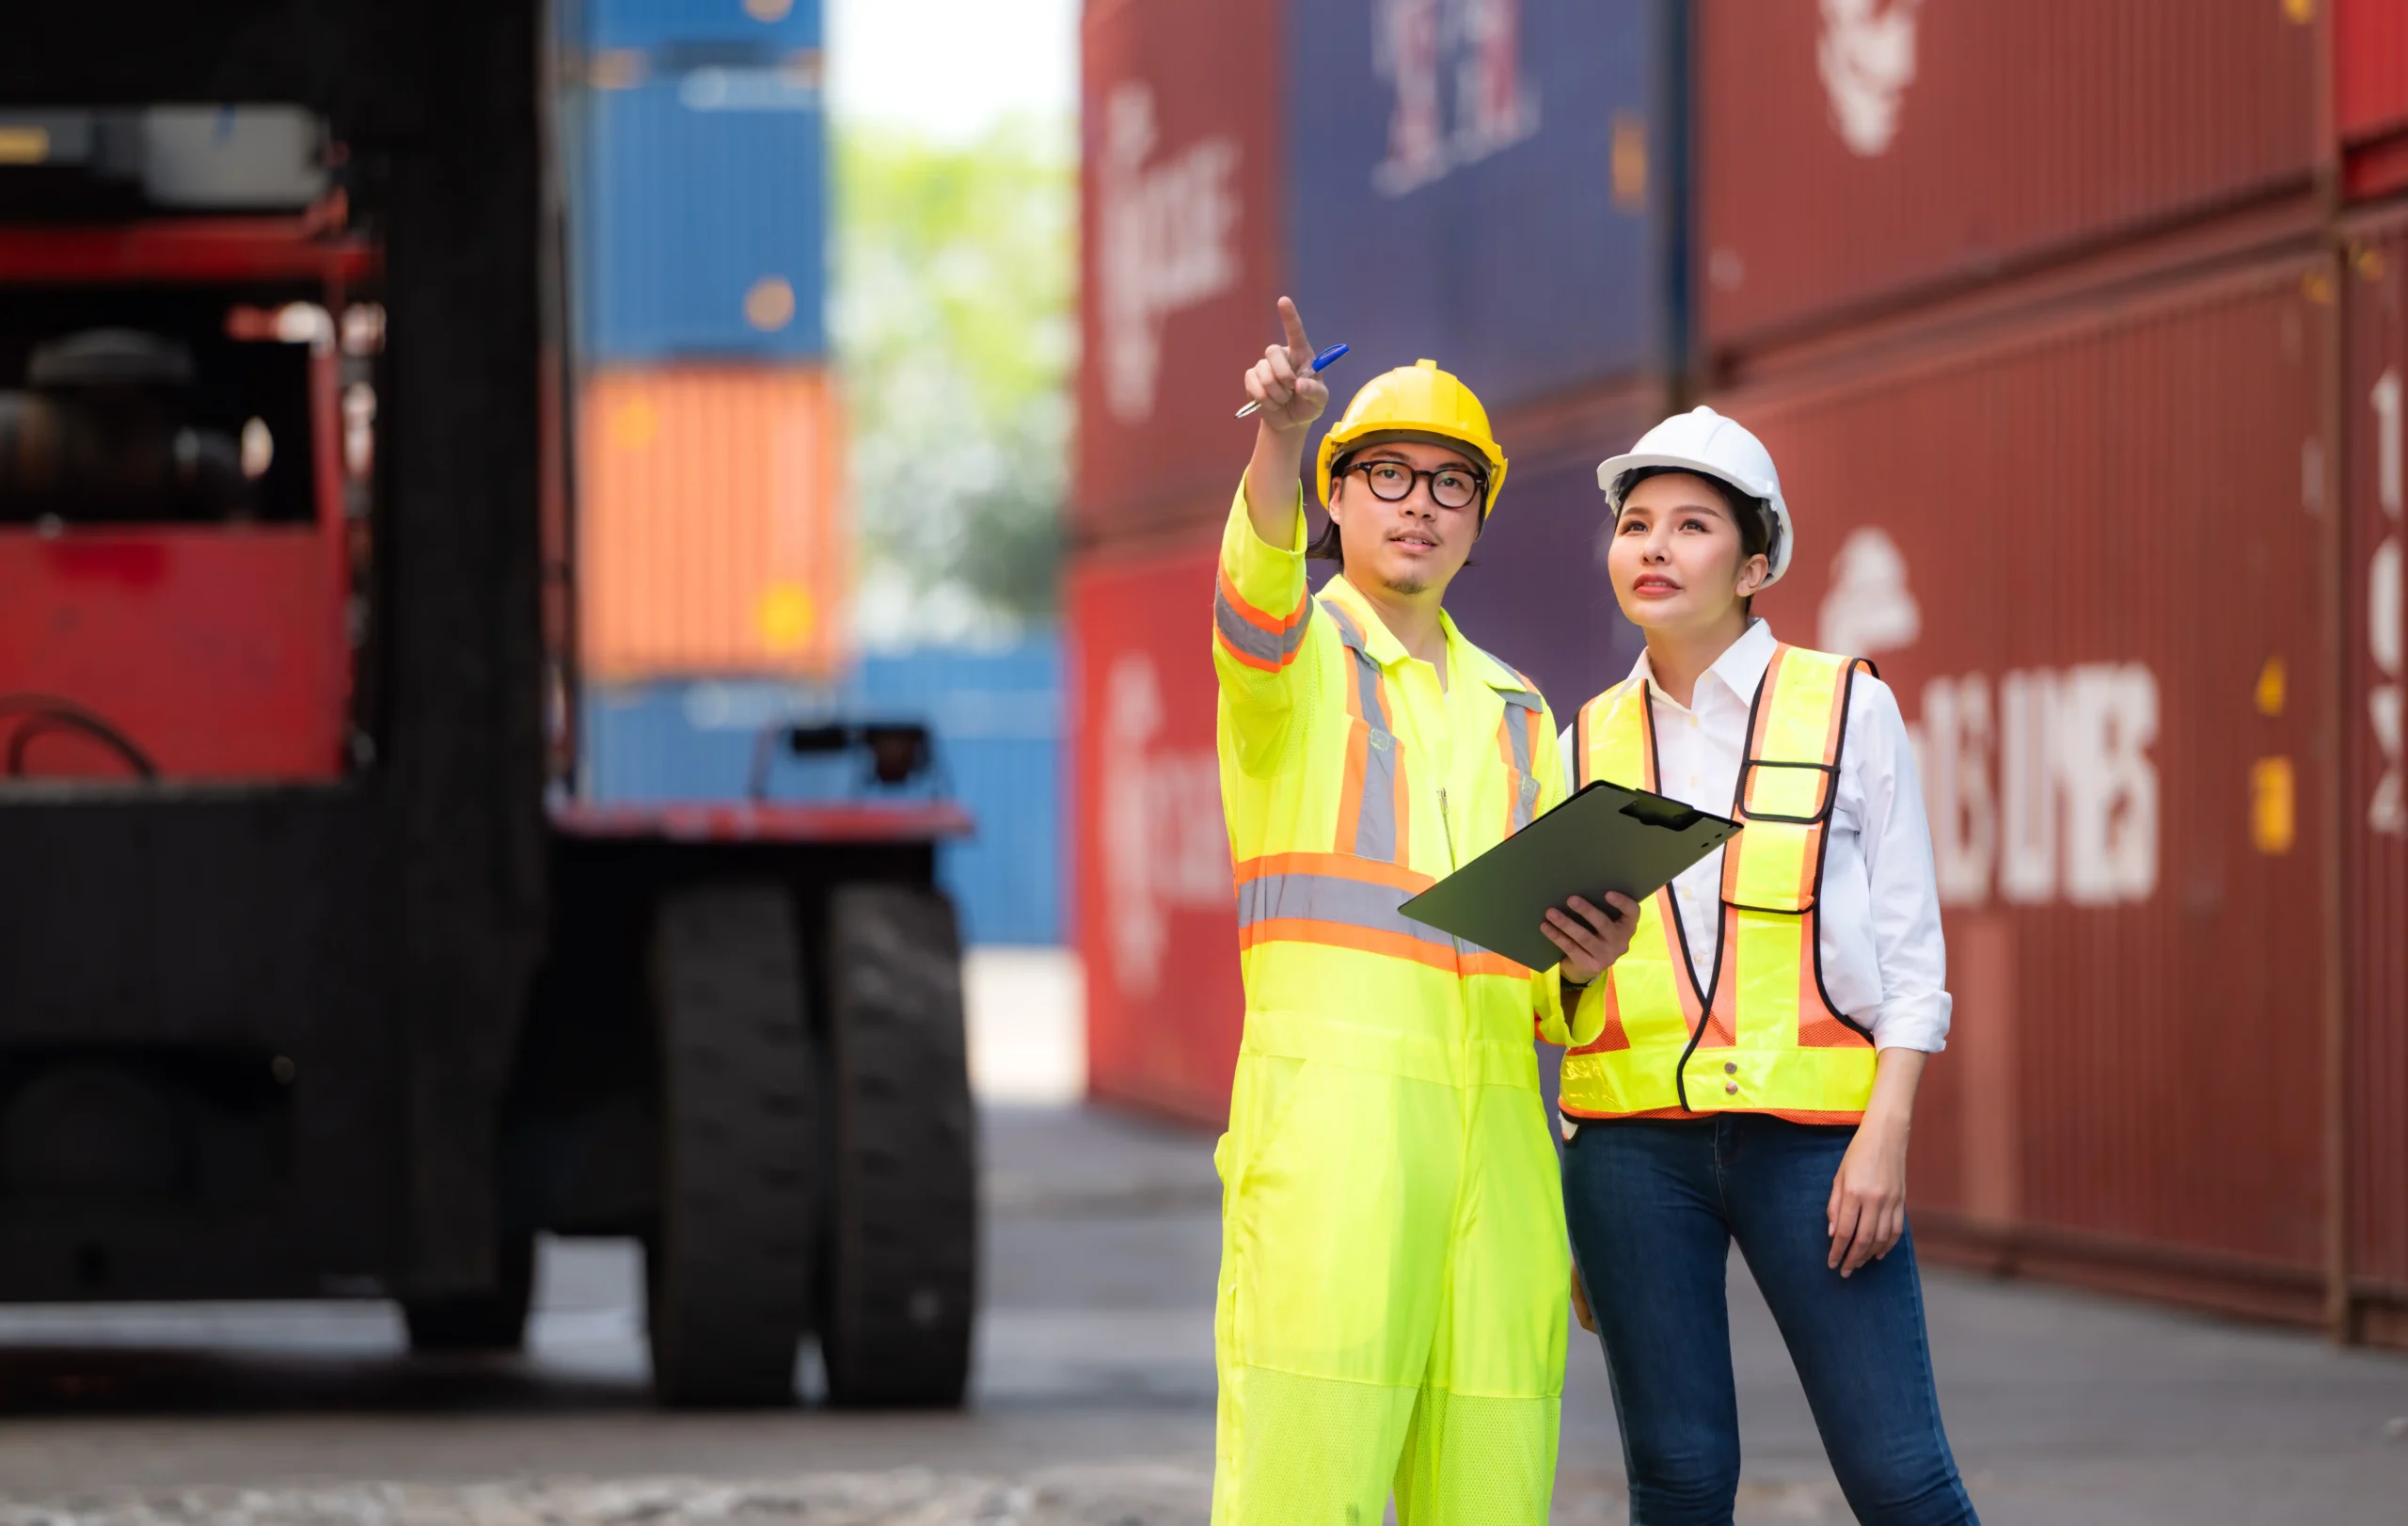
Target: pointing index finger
(1300,349)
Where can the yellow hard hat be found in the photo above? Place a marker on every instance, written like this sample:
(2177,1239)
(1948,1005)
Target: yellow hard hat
(1419,399)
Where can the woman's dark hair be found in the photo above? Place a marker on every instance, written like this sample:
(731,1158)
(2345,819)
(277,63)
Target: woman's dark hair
(1751,515)
(1326,547)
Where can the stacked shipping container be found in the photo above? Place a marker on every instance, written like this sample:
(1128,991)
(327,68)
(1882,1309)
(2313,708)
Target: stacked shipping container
(2038,306)
(1180,243)
(712,539)
(709,525)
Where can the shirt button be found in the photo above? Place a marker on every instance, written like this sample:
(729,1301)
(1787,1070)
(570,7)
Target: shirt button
(1730,1067)
(1732,1088)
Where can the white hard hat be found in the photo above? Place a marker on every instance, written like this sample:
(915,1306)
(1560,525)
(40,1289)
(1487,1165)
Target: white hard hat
(1704,442)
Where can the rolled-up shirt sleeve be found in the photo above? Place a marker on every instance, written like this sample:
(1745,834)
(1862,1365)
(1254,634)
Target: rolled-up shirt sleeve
(1907,945)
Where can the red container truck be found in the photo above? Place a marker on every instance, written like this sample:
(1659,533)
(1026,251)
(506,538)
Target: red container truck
(317,977)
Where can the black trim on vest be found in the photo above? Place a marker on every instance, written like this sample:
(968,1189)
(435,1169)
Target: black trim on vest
(1704,990)
(1848,703)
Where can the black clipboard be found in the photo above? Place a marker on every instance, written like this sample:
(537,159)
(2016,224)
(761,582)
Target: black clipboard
(1603,838)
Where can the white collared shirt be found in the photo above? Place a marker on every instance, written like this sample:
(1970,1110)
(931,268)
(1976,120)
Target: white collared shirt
(1884,963)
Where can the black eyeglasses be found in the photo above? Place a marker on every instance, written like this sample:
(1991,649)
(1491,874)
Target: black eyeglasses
(1450,487)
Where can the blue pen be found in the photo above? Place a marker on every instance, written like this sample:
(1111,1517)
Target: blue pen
(1320,362)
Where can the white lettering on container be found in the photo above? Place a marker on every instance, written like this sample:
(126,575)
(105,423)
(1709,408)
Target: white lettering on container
(1168,241)
(1494,107)
(1165,848)
(2071,814)
(2387,812)
(1867,59)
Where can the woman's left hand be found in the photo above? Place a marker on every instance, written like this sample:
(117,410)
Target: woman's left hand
(1868,1206)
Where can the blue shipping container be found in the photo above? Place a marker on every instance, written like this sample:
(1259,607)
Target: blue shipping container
(998,719)
(771,26)
(703,219)
(1499,186)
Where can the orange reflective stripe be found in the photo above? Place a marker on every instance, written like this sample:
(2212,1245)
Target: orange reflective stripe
(1438,956)
(1337,866)
(1613,1036)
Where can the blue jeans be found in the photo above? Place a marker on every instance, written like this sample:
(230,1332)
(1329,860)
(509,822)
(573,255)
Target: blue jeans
(1653,1208)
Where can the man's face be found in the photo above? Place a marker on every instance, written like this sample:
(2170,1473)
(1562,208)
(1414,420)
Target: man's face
(1416,544)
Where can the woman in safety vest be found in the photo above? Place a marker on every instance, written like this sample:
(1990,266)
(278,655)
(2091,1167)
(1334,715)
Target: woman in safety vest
(1747,1069)
(1391,1306)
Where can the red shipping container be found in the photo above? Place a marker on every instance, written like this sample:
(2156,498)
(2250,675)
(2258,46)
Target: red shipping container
(2374,812)
(1856,156)
(2087,553)
(709,531)
(2370,93)
(1178,243)
(1157,906)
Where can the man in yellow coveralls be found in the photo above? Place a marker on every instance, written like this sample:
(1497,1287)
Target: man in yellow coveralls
(1393,1280)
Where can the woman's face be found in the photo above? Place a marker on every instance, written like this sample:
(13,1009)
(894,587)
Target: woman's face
(1675,556)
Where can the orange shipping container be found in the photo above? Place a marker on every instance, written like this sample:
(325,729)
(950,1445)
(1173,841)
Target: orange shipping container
(710,538)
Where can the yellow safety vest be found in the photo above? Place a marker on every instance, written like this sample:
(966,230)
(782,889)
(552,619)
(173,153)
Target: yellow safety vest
(1339,809)
(1764,1036)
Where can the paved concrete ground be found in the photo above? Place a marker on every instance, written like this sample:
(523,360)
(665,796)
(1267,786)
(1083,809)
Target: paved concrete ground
(1093,1398)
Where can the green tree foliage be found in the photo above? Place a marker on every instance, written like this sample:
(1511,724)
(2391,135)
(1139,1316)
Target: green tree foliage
(955,331)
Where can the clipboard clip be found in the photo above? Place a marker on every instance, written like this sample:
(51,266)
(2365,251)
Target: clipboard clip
(1670,814)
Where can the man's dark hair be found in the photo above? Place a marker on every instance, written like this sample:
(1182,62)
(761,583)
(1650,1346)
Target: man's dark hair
(1752,516)
(1326,547)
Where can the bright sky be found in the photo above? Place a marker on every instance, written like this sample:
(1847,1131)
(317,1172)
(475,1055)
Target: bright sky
(952,69)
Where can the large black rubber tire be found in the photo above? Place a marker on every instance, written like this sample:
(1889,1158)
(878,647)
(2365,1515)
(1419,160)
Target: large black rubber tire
(495,1321)
(729,1267)
(895,1328)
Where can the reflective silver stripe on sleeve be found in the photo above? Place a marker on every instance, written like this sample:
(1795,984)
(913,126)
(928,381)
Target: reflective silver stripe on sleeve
(1272,648)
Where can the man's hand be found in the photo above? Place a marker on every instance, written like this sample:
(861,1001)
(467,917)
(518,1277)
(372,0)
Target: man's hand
(1595,938)
(1580,1309)
(1283,380)
(1292,398)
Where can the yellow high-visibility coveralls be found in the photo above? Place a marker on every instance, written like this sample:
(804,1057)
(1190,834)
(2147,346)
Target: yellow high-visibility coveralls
(1393,1265)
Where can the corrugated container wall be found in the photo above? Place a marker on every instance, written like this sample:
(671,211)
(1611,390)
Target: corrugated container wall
(997,717)
(1499,187)
(2370,93)
(1853,158)
(710,533)
(1156,906)
(2375,808)
(2086,557)
(1179,250)
(703,216)
(730,29)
